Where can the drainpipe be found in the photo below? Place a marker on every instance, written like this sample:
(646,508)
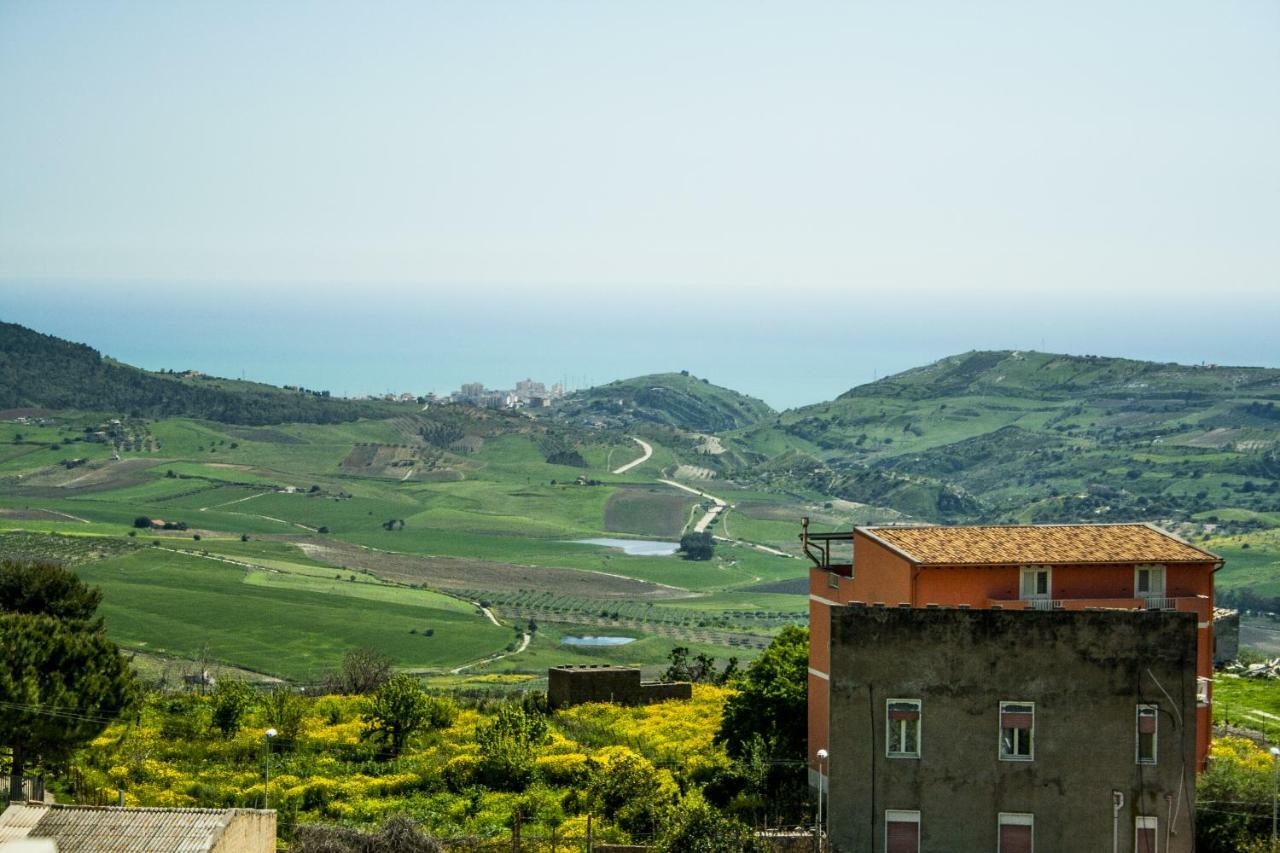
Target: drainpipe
(1117,803)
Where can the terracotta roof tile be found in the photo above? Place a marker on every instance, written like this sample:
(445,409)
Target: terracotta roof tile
(1038,544)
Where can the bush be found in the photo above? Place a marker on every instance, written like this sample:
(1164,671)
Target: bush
(232,701)
(697,546)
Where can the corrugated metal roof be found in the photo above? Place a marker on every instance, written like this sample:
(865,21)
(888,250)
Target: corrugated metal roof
(93,829)
(1054,544)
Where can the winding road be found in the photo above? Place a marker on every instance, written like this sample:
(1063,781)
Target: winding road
(644,457)
(718,504)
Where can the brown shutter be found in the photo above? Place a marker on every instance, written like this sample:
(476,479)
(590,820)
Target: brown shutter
(1015,839)
(899,714)
(1146,840)
(1147,724)
(1015,720)
(904,837)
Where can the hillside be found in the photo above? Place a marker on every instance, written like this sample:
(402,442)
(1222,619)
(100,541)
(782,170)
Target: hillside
(667,399)
(42,371)
(1033,436)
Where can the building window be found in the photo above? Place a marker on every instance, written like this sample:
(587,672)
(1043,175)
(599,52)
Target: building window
(1017,833)
(902,739)
(833,580)
(1148,720)
(1017,731)
(901,832)
(1148,582)
(1146,837)
(1203,687)
(1037,583)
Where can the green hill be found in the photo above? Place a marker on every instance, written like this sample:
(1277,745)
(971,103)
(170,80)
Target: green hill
(1002,436)
(42,371)
(667,399)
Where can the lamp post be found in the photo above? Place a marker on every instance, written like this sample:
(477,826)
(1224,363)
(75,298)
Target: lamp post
(822,784)
(266,767)
(1275,791)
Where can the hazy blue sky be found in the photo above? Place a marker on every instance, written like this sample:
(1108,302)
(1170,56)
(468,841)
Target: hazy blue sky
(788,197)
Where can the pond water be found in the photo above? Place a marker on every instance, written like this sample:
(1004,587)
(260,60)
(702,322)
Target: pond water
(596,641)
(635,547)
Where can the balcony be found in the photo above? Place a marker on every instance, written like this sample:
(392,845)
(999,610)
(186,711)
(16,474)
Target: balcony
(1190,604)
(817,547)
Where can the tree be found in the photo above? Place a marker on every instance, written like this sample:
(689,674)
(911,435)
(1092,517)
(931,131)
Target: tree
(363,670)
(43,588)
(697,546)
(630,791)
(400,708)
(506,745)
(772,698)
(232,701)
(696,827)
(142,522)
(702,669)
(284,711)
(62,682)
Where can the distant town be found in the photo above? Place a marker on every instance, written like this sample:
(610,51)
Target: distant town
(527,393)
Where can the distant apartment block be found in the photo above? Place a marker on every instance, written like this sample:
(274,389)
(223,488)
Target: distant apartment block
(1133,567)
(1058,731)
(574,685)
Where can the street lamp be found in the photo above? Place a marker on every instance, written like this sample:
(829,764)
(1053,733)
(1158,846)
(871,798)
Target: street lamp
(822,780)
(266,767)
(1275,791)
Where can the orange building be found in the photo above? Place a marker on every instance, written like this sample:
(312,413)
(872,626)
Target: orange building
(1043,567)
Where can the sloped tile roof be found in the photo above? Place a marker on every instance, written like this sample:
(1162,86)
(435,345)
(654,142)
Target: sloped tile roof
(93,829)
(1038,544)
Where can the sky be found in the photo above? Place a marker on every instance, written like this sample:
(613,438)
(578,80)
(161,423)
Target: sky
(789,199)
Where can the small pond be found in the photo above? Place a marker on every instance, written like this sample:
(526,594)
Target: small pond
(596,641)
(635,547)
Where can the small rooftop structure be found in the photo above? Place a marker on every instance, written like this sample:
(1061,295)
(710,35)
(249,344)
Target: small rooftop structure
(576,684)
(101,829)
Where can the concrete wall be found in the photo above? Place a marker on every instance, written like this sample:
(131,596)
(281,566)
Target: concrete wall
(573,685)
(1085,671)
(1226,636)
(250,831)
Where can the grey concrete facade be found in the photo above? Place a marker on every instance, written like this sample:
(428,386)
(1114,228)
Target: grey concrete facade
(1226,636)
(573,685)
(1085,672)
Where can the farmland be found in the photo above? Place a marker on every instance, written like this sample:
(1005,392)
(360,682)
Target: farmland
(278,544)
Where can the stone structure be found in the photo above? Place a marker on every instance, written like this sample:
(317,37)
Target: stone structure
(573,685)
(1226,635)
(1056,731)
(98,829)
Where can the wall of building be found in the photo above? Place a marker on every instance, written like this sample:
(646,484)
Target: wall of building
(574,685)
(1086,672)
(1226,636)
(249,832)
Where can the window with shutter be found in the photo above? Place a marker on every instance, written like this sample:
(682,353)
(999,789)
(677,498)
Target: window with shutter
(1146,835)
(1017,731)
(1148,721)
(902,832)
(902,721)
(1017,833)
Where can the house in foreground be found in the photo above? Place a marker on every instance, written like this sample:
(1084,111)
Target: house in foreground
(1059,731)
(100,829)
(1041,568)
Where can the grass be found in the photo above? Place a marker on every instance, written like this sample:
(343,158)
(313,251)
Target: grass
(295,626)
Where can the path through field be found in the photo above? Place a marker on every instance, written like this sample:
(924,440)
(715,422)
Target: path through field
(718,505)
(524,644)
(644,457)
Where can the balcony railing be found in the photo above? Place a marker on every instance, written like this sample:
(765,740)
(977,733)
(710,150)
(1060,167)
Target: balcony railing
(1192,603)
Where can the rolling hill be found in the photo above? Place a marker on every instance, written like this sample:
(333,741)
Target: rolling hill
(1028,436)
(666,399)
(42,371)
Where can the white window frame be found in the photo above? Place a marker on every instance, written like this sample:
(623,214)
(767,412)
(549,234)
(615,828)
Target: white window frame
(1153,571)
(1034,572)
(1016,819)
(901,816)
(1203,687)
(1142,822)
(1137,736)
(1000,731)
(888,728)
